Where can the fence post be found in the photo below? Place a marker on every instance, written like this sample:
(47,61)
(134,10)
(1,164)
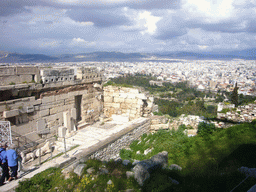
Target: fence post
(39,156)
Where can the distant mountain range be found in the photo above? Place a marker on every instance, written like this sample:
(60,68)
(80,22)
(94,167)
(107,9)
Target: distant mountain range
(5,57)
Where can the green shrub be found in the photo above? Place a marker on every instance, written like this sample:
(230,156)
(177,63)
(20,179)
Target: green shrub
(225,110)
(125,154)
(43,181)
(205,129)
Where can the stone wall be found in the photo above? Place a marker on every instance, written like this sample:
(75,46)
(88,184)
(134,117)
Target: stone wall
(128,102)
(111,151)
(34,120)
(18,74)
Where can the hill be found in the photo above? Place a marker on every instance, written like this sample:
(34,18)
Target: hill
(6,57)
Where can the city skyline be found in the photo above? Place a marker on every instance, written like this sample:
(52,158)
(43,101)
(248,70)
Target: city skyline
(76,26)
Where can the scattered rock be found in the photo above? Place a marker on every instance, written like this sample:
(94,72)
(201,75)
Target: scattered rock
(129,190)
(174,181)
(119,160)
(109,182)
(129,174)
(125,162)
(90,170)
(161,159)
(79,169)
(147,151)
(141,172)
(138,152)
(135,162)
(103,170)
(143,169)
(175,167)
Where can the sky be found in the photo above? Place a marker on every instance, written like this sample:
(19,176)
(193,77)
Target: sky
(56,27)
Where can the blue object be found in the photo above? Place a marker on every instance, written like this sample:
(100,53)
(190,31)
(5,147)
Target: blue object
(12,157)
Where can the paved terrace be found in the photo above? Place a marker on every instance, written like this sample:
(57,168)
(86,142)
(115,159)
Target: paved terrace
(89,139)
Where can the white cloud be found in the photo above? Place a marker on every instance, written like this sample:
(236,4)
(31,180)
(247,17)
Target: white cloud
(143,21)
(149,22)
(211,10)
(67,20)
(81,42)
(203,47)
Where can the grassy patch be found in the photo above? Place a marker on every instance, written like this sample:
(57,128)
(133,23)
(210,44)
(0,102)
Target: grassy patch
(209,163)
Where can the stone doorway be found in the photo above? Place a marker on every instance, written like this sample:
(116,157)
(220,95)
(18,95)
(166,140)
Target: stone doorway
(78,101)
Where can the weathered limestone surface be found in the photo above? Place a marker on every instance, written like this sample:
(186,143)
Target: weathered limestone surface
(111,151)
(25,113)
(126,101)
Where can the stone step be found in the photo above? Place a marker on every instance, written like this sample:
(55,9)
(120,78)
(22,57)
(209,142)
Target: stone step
(82,125)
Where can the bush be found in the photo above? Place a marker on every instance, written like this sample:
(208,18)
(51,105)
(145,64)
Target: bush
(125,154)
(205,129)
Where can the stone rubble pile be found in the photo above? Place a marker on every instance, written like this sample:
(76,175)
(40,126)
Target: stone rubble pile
(159,122)
(141,169)
(245,113)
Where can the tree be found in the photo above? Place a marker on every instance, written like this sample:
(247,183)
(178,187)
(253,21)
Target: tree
(234,96)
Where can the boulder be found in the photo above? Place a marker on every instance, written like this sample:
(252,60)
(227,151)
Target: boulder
(79,169)
(143,169)
(161,159)
(135,162)
(252,189)
(125,162)
(129,174)
(103,170)
(175,167)
(90,170)
(248,171)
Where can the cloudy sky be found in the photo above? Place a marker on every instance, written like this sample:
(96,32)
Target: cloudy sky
(77,26)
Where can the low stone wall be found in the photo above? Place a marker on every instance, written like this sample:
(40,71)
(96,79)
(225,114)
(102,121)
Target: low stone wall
(111,151)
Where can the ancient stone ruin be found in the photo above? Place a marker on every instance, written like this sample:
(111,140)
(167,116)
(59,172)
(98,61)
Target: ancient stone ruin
(45,103)
(126,103)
